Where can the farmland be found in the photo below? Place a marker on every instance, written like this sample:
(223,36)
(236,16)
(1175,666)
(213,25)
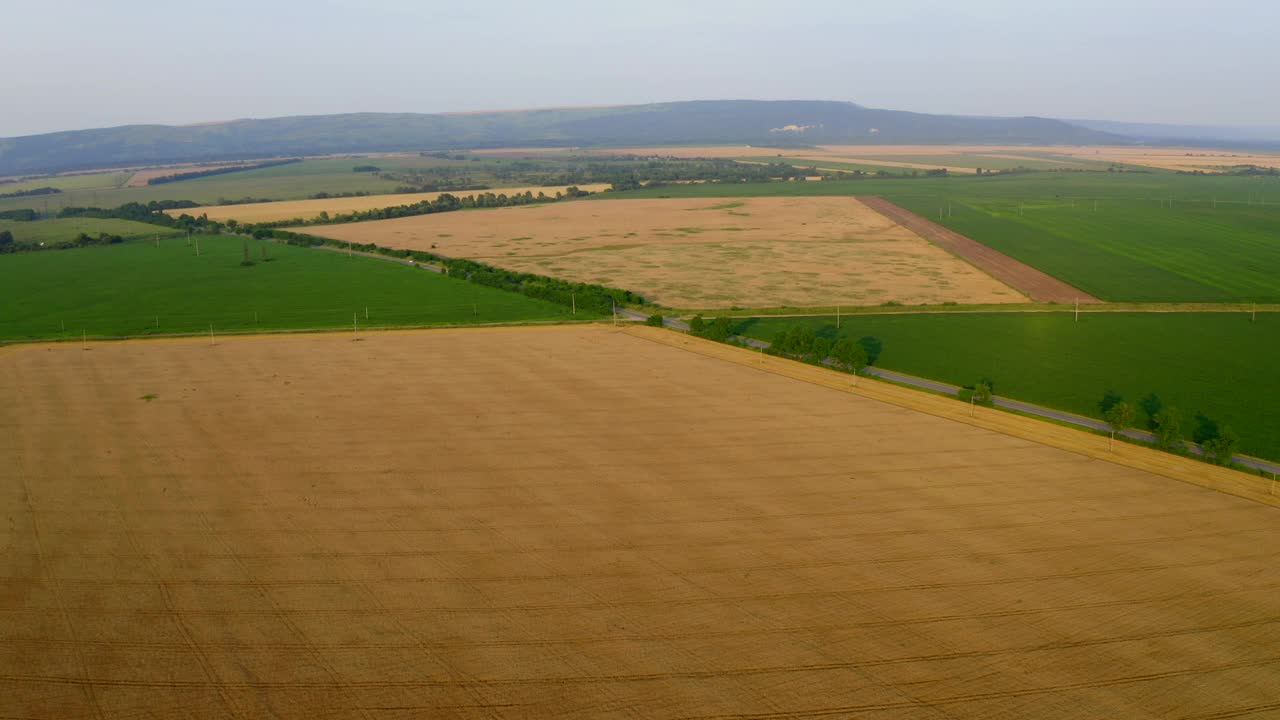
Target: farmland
(456,523)
(1219,364)
(310,209)
(62,229)
(967,158)
(139,288)
(1153,237)
(680,253)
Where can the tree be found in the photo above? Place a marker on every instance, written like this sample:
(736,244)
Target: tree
(1151,405)
(1168,428)
(1221,448)
(982,392)
(872,347)
(6,238)
(820,349)
(1110,399)
(849,355)
(1206,429)
(1120,418)
(653,321)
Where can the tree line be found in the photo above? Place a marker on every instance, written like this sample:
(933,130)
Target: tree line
(31,193)
(801,342)
(1217,442)
(588,296)
(446,202)
(193,174)
(9,245)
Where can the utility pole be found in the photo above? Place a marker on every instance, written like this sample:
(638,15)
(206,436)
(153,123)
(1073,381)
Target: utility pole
(573,302)
(837,317)
(1077,309)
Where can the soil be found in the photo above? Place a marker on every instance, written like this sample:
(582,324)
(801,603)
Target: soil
(1033,283)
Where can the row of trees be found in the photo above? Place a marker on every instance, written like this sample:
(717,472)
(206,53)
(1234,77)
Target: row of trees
(801,342)
(193,174)
(1217,442)
(31,193)
(442,203)
(588,296)
(8,244)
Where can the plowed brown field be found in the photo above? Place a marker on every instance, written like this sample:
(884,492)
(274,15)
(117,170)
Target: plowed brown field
(700,253)
(1033,283)
(578,522)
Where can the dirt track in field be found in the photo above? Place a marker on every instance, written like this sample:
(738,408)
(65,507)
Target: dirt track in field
(579,522)
(1031,282)
(704,253)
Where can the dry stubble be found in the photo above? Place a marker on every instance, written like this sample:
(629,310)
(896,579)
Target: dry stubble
(578,522)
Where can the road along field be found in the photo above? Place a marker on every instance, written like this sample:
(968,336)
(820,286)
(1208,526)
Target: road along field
(1028,280)
(757,252)
(310,209)
(1053,360)
(589,523)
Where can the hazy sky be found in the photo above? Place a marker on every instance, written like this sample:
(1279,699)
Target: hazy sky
(70,65)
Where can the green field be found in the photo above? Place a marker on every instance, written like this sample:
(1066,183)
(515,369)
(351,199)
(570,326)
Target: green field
(1219,364)
(58,230)
(79,181)
(1219,241)
(282,182)
(138,288)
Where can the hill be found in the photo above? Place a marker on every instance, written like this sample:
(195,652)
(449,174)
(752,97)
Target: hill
(779,123)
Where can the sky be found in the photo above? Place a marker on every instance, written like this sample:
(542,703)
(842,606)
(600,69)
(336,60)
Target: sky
(75,64)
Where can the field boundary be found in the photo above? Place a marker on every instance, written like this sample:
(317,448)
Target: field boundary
(295,331)
(1195,472)
(1027,280)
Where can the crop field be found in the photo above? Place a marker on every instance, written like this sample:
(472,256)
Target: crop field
(459,523)
(1218,364)
(74,181)
(61,229)
(966,158)
(748,252)
(299,180)
(1141,250)
(1153,237)
(138,288)
(310,209)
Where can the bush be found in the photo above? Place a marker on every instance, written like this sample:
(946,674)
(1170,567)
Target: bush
(654,321)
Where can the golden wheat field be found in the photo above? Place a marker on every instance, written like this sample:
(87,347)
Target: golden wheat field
(580,522)
(310,209)
(704,253)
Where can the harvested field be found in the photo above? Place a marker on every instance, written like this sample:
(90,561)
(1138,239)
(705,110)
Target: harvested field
(578,522)
(1033,283)
(310,209)
(691,253)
